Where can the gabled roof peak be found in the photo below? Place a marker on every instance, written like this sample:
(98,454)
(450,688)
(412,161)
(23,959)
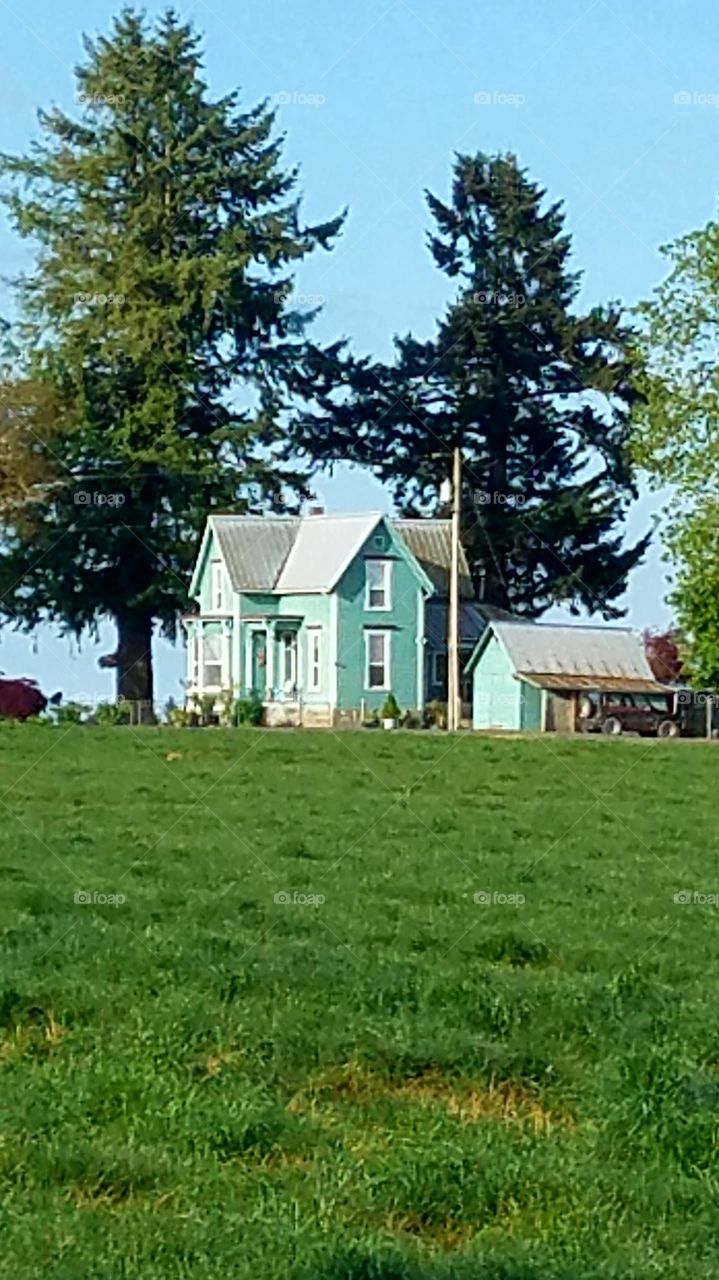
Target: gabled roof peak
(296,553)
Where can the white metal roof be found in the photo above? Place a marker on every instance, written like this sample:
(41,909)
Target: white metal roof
(544,648)
(322,550)
(310,553)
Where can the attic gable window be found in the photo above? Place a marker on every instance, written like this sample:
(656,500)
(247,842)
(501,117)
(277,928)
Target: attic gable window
(378,584)
(216,584)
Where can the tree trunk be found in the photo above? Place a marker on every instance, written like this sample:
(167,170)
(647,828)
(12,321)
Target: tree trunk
(134,666)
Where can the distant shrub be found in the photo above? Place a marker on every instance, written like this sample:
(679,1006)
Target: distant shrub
(436,714)
(178,717)
(249,710)
(390,710)
(70,713)
(411,720)
(203,711)
(112,713)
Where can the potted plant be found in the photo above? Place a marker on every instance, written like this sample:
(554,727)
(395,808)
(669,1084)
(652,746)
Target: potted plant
(390,712)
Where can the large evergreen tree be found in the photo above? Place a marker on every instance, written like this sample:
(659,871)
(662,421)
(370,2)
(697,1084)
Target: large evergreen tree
(536,395)
(159,315)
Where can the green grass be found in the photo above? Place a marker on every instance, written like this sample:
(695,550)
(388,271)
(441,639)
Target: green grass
(397,1082)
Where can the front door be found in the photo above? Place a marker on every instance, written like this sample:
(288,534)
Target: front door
(259,663)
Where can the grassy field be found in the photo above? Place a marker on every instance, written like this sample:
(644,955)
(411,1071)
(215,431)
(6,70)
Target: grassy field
(372,1074)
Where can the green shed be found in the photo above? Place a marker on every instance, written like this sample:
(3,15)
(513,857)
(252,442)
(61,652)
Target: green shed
(530,675)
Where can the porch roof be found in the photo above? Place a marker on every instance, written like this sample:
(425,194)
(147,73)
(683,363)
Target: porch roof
(579,684)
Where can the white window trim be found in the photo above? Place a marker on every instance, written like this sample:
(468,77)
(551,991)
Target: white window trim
(387,567)
(289,682)
(333,675)
(387,635)
(314,635)
(222,664)
(217,586)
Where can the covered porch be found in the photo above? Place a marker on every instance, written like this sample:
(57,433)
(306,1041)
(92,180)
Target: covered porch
(277,659)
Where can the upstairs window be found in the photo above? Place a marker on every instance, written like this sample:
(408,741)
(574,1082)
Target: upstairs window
(216,586)
(378,583)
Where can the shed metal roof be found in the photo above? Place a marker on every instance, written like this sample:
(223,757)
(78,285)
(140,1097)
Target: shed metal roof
(547,649)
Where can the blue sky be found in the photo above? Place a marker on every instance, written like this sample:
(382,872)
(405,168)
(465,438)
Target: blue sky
(613,107)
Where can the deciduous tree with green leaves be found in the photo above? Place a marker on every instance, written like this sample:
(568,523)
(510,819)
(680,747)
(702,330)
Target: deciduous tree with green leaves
(535,393)
(159,314)
(676,436)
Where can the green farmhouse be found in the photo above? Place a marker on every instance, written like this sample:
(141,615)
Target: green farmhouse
(538,676)
(322,616)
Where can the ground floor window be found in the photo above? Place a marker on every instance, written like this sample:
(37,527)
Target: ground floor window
(377,659)
(314,652)
(439,670)
(212,648)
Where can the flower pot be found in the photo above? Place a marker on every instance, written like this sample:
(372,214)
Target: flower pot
(389,723)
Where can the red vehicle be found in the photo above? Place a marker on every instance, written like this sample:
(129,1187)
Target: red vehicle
(20,699)
(648,714)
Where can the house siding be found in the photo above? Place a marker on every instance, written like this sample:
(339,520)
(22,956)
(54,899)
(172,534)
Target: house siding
(314,612)
(497,701)
(354,620)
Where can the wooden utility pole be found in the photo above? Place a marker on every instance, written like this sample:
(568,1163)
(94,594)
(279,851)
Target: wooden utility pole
(454,691)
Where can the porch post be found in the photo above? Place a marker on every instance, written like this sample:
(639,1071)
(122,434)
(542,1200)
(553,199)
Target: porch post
(270,658)
(299,664)
(200,657)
